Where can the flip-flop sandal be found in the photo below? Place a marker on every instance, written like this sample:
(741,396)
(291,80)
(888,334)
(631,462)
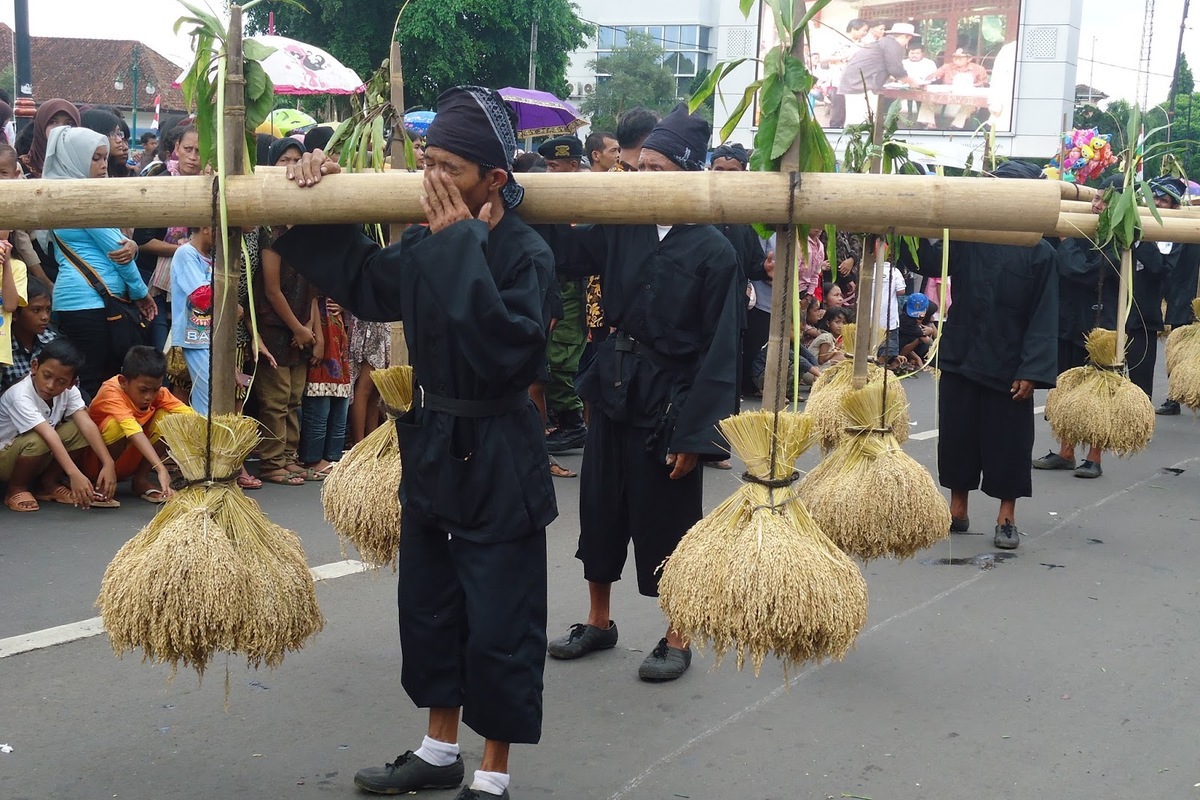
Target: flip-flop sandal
(155,496)
(98,501)
(21,502)
(60,495)
(718,464)
(248,482)
(284,477)
(557,470)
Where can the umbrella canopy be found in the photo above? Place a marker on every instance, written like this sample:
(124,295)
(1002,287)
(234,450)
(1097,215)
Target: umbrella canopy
(282,121)
(416,123)
(541,113)
(299,68)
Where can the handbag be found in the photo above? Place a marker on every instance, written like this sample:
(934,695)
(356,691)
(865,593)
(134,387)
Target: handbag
(126,327)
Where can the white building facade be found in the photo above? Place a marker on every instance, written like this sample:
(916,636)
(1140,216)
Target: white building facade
(1042,37)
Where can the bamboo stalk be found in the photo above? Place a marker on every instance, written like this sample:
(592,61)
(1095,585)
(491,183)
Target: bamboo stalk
(850,201)
(866,301)
(1073,191)
(1123,304)
(1172,229)
(226,266)
(1189,212)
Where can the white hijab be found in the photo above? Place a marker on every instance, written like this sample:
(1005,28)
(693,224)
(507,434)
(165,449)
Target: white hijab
(69,152)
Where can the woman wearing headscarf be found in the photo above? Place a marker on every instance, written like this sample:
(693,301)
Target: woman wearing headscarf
(5,117)
(110,125)
(72,154)
(51,114)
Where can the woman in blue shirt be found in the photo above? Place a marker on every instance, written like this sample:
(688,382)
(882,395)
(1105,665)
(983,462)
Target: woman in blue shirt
(74,153)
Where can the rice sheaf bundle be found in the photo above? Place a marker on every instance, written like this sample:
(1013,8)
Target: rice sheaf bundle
(825,401)
(1183,385)
(870,497)
(360,496)
(1098,405)
(1184,341)
(210,573)
(757,575)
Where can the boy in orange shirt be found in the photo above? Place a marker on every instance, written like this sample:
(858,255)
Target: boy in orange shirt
(126,410)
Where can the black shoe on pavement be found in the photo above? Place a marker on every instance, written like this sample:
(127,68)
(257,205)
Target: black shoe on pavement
(474,794)
(408,773)
(564,440)
(1089,469)
(960,524)
(665,663)
(1170,408)
(1007,536)
(583,639)
(1053,461)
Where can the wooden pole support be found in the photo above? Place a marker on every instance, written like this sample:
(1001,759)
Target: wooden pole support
(1172,229)
(1123,303)
(227,266)
(864,315)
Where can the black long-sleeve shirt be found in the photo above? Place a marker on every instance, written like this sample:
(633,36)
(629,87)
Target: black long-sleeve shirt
(473,303)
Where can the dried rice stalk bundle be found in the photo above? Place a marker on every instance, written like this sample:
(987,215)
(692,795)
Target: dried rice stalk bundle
(825,400)
(361,496)
(1184,341)
(869,496)
(1098,405)
(210,573)
(1184,383)
(756,575)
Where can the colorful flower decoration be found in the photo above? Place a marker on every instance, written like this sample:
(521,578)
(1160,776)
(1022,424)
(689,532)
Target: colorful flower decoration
(1084,156)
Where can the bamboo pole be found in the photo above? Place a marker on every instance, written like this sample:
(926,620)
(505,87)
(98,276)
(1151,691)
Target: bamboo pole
(1172,229)
(226,267)
(784,281)
(1123,304)
(399,150)
(1073,191)
(864,333)
(1190,212)
(849,201)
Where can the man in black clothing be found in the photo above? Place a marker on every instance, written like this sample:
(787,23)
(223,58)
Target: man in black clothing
(657,388)
(471,289)
(998,345)
(1181,271)
(752,259)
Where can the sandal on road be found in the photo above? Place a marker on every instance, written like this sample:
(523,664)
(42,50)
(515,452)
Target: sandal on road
(60,495)
(23,502)
(99,501)
(155,496)
(557,470)
(247,482)
(283,477)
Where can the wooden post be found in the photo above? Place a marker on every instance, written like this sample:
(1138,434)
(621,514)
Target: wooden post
(227,266)
(782,283)
(864,317)
(1123,304)
(399,345)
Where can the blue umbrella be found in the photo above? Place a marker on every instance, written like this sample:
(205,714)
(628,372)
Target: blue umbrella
(416,123)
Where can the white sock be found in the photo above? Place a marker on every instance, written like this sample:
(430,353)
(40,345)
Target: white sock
(440,754)
(491,782)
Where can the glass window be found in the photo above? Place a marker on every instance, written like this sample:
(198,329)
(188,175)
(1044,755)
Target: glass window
(655,32)
(671,62)
(619,38)
(704,38)
(671,36)
(690,35)
(687,64)
(604,39)
(683,87)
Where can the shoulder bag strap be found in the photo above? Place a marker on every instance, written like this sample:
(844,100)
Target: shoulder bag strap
(90,275)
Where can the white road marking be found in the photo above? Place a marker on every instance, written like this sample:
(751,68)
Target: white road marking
(62,634)
(923,435)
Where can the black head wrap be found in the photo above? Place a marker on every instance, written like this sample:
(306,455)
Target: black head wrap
(1113,182)
(1169,187)
(1018,169)
(281,146)
(681,137)
(734,151)
(476,124)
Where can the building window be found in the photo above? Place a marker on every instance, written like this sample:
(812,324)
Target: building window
(686,47)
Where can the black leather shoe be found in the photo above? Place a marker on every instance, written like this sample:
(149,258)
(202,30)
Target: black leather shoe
(475,794)
(665,663)
(564,440)
(408,773)
(1007,537)
(1170,408)
(583,639)
(960,524)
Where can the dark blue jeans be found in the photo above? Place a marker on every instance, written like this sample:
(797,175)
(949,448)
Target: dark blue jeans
(159,330)
(323,428)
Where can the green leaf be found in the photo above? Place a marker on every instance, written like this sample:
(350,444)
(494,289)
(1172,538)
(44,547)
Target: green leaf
(208,20)
(773,63)
(257,83)
(339,135)
(771,95)
(1148,196)
(813,10)
(735,116)
(378,144)
(788,127)
(706,89)
(796,76)
(764,138)
(746,6)
(254,50)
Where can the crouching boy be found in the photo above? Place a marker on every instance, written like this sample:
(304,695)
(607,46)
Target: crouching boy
(45,431)
(126,410)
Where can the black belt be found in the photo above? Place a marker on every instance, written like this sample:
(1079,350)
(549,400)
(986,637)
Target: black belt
(624,343)
(474,408)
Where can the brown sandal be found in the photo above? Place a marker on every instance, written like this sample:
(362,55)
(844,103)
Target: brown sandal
(557,470)
(21,502)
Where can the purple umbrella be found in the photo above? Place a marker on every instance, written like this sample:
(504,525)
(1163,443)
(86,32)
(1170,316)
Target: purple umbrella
(541,113)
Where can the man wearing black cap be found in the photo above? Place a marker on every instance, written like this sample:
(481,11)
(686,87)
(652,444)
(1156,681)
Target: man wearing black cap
(752,258)
(999,343)
(1180,271)
(657,388)
(476,495)
(564,409)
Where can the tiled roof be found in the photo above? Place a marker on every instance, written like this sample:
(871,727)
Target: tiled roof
(84,70)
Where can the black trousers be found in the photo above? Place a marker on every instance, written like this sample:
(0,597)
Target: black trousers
(473,628)
(984,431)
(625,493)
(758,329)
(1070,355)
(1142,358)
(89,331)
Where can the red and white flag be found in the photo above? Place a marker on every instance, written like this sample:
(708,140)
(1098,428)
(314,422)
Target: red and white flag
(157,108)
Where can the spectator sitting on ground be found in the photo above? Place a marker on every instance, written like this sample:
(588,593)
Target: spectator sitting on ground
(45,430)
(809,371)
(126,410)
(916,336)
(828,344)
(832,294)
(30,333)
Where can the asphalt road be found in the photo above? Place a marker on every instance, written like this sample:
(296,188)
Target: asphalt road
(1066,670)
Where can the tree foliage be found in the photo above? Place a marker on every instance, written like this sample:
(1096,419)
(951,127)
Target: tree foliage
(637,76)
(443,43)
(1184,82)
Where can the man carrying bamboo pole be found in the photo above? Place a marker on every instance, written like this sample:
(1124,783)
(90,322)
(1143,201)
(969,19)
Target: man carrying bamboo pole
(657,388)
(1182,262)
(998,345)
(476,494)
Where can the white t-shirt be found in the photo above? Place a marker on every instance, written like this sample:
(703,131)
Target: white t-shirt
(21,410)
(920,70)
(887,306)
